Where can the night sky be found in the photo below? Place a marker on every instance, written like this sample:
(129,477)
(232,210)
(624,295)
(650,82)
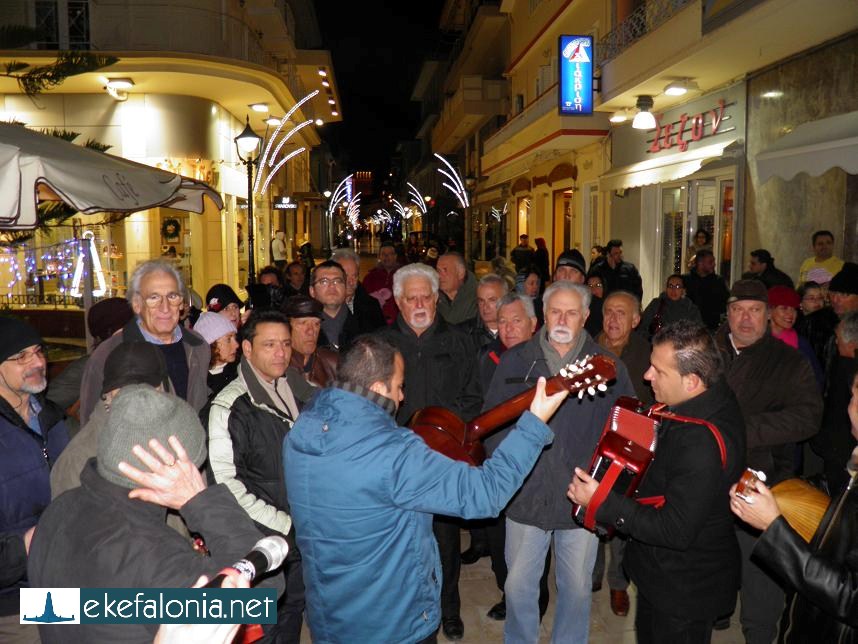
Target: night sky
(377,48)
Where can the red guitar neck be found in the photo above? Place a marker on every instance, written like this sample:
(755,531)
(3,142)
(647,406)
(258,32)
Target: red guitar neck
(508,411)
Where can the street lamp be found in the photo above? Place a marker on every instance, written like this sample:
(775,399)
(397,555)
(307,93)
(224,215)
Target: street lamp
(246,144)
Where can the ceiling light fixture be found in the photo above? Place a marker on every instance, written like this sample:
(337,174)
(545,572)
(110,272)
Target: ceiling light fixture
(117,87)
(680,87)
(322,72)
(334,113)
(331,101)
(644,120)
(259,107)
(325,83)
(620,116)
(273,121)
(319,122)
(774,93)
(120,83)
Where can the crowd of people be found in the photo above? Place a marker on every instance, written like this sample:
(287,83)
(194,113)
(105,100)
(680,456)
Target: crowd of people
(197,433)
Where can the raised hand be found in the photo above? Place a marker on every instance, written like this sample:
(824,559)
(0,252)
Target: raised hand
(543,407)
(172,480)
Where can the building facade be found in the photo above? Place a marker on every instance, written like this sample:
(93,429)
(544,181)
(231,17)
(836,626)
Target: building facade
(191,75)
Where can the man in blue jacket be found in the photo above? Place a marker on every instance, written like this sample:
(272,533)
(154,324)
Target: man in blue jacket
(362,493)
(32,435)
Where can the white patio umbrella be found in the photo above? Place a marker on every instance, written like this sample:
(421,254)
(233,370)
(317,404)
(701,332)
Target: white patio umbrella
(36,167)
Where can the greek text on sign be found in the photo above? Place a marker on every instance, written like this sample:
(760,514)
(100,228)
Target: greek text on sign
(576,75)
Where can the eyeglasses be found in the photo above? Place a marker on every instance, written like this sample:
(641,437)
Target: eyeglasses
(154,300)
(25,357)
(675,287)
(329,281)
(596,285)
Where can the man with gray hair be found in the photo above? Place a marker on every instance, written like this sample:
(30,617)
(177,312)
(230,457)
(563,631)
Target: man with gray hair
(540,511)
(483,328)
(440,370)
(156,293)
(363,306)
(457,301)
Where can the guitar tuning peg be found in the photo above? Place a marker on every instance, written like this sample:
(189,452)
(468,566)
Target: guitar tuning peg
(564,373)
(591,391)
(587,381)
(581,395)
(602,387)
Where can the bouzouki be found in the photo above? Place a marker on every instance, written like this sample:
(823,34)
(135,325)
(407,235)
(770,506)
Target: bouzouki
(446,433)
(802,505)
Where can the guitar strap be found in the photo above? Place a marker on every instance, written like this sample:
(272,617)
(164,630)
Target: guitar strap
(660,411)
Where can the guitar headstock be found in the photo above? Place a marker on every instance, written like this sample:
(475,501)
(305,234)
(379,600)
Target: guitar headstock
(588,375)
(748,482)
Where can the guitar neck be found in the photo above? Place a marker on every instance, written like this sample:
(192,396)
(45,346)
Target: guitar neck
(508,411)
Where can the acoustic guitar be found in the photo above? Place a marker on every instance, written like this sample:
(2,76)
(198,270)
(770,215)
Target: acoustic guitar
(802,505)
(446,433)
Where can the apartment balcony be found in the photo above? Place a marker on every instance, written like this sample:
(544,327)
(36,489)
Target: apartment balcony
(476,100)
(200,30)
(711,44)
(539,127)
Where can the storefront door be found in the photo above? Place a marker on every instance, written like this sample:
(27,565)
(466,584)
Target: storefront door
(700,204)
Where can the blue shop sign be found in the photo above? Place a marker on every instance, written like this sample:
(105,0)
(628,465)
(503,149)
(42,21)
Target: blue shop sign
(576,75)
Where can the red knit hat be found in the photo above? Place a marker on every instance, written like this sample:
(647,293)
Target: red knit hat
(783,296)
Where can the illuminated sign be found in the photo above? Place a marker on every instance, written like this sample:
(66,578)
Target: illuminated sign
(576,75)
(284,203)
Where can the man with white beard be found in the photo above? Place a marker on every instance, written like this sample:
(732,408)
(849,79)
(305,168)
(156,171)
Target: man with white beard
(32,435)
(440,370)
(540,511)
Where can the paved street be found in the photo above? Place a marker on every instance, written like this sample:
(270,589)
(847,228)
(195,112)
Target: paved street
(479,592)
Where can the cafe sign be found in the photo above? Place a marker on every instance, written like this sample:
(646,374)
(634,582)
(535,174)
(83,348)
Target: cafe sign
(677,134)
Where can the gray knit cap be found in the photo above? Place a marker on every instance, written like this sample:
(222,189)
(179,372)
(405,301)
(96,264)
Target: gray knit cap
(138,414)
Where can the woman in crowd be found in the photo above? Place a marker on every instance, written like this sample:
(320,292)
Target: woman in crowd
(219,332)
(221,299)
(817,321)
(597,287)
(783,309)
(670,306)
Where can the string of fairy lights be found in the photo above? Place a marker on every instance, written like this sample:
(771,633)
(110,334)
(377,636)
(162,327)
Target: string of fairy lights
(61,262)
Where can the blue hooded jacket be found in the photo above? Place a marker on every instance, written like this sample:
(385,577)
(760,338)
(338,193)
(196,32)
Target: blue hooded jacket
(362,491)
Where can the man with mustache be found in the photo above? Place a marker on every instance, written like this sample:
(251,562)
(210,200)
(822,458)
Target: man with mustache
(440,370)
(540,512)
(32,433)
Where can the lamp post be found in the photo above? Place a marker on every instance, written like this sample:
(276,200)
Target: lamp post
(327,225)
(246,145)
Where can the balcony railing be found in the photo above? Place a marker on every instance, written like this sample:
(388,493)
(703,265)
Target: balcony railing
(646,18)
(544,104)
(163,27)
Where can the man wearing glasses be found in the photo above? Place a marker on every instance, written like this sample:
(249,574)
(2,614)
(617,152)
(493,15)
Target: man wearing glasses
(156,293)
(339,325)
(32,433)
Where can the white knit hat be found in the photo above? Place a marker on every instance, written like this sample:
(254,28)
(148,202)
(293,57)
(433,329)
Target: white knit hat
(213,326)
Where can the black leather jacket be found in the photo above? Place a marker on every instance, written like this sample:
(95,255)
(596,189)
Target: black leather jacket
(824,574)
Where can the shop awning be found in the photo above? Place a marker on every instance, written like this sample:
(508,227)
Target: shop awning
(814,148)
(659,170)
